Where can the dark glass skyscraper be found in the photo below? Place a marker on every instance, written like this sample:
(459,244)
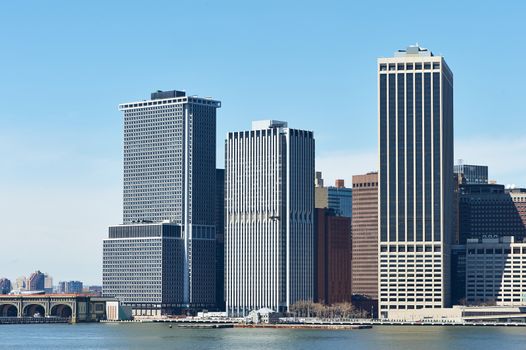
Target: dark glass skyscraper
(416,179)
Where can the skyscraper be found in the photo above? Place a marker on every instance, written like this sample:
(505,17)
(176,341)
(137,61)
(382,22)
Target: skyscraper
(269,204)
(169,206)
(416,179)
(365,238)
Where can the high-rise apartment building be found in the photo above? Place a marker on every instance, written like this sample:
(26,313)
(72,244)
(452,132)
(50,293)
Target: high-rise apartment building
(35,281)
(70,287)
(416,179)
(472,174)
(48,283)
(269,204)
(169,178)
(365,236)
(5,286)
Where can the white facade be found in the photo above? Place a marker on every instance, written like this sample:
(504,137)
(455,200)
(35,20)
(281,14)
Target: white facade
(415,100)
(269,204)
(496,271)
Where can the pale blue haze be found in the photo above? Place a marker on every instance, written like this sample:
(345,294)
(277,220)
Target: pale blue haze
(65,65)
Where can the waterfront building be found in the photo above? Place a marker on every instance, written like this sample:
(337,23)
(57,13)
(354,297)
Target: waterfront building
(169,178)
(269,229)
(333,254)
(494,271)
(415,179)
(5,286)
(472,174)
(143,265)
(35,281)
(365,238)
(487,211)
(337,197)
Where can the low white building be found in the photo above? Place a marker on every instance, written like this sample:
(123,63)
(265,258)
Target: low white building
(264,315)
(460,314)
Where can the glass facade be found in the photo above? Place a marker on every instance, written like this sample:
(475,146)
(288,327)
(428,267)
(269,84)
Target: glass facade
(472,174)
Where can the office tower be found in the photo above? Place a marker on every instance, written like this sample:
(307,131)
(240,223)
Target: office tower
(35,281)
(472,174)
(333,254)
(365,239)
(269,204)
(494,271)
(337,197)
(487,211)
(169,160)
(220,239)
(416,179)
(169,178)
(5,286)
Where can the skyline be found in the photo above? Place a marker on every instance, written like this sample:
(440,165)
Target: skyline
(61,90)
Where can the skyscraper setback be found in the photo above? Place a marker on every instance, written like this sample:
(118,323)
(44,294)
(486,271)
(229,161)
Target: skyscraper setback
(269,204)
(416,179)
(169,206)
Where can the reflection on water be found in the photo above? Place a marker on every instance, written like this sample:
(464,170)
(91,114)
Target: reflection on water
(160,336)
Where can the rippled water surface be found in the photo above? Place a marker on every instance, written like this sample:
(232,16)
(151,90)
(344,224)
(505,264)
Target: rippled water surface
(160,336)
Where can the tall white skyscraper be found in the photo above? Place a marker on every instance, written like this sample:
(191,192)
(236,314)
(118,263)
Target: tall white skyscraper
(416,180)
(269,205)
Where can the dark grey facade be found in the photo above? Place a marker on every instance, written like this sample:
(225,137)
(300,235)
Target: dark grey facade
(143,265)
(488,211)
(169,179)
(472,174)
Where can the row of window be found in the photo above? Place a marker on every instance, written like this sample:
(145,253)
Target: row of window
(409,66)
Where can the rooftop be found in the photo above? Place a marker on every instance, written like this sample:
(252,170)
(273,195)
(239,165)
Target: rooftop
(413,50)
(268,124)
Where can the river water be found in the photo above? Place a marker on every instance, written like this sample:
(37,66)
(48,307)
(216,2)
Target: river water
(160,336)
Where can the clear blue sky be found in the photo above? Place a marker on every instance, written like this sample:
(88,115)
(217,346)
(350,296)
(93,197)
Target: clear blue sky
(66,65)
